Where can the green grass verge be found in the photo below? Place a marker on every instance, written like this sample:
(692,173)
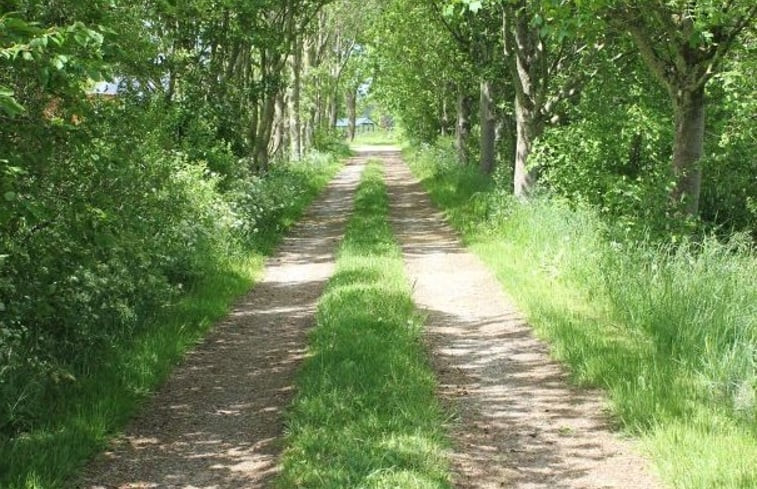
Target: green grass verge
(669,333)
(365,415)
(84,415)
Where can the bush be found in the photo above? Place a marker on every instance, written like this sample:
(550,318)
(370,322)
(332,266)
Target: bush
(331,141)
(93,247)
(104,238)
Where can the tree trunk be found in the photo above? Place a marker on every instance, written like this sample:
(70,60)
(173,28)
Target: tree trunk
(526,128)
(280,141)
(319,120)
(295,122)
(333,109)
(688,148)
(488,128)
(252,134)
(530,73)
(445,116)
(462,129)
(352,112)
(309,131)
(265,127)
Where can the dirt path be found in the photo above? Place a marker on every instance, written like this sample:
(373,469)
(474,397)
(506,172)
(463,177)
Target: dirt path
(520,425)
(217,421)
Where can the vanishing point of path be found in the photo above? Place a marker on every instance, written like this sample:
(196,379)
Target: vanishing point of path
(217,421)
(519,423)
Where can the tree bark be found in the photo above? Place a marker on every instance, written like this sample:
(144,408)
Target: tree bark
(265,127)
(333,109)
(462,129)
(252,134)
(352,112)
(688,147)
(488,128)
(526,128)
(445,116)
(280,143)
(310,127)
(295,122)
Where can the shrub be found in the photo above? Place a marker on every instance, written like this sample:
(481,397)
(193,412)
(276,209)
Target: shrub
(104,238)
(331,141)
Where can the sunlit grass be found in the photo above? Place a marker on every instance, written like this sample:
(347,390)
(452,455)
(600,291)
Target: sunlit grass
(670,333)
(80,418)
(365,415)
(378,137)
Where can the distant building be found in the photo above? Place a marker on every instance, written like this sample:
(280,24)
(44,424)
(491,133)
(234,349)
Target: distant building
(365,123)
(362,124)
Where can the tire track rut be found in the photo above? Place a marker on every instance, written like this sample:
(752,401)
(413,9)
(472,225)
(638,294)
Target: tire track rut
(519,422)
(218,419)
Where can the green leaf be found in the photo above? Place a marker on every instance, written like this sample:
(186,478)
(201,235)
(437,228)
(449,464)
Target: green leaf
(60,61)
(474,5)
(8,104)
(9,196)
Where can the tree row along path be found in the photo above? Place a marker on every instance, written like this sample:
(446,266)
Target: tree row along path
(217,421)
(519,422)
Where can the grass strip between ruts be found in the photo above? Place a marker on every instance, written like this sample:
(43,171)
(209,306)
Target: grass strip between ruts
(366,415)
(81,423)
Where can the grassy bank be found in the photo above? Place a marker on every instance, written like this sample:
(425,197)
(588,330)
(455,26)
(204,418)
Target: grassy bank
(669,332)
(366,415)
(80,414)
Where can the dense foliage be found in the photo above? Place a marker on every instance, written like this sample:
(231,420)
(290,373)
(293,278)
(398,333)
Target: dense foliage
(601,102)
(113,205)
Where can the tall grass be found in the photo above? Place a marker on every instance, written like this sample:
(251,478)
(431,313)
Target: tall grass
(365,414)
(82,413)
(670,332)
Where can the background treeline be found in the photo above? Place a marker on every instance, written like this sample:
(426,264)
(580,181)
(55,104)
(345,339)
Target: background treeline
(645,110)
(115,205)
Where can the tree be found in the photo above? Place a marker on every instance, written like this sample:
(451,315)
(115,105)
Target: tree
(478,39)
(548,48)
(416,61)
(683,44)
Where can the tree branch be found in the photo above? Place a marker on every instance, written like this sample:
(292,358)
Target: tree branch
(656,63)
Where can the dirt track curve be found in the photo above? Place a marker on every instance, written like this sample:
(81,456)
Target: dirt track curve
(216,422)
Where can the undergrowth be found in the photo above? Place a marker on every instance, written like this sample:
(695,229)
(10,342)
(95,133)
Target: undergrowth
(51,425)
(669,331)
(365,415)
